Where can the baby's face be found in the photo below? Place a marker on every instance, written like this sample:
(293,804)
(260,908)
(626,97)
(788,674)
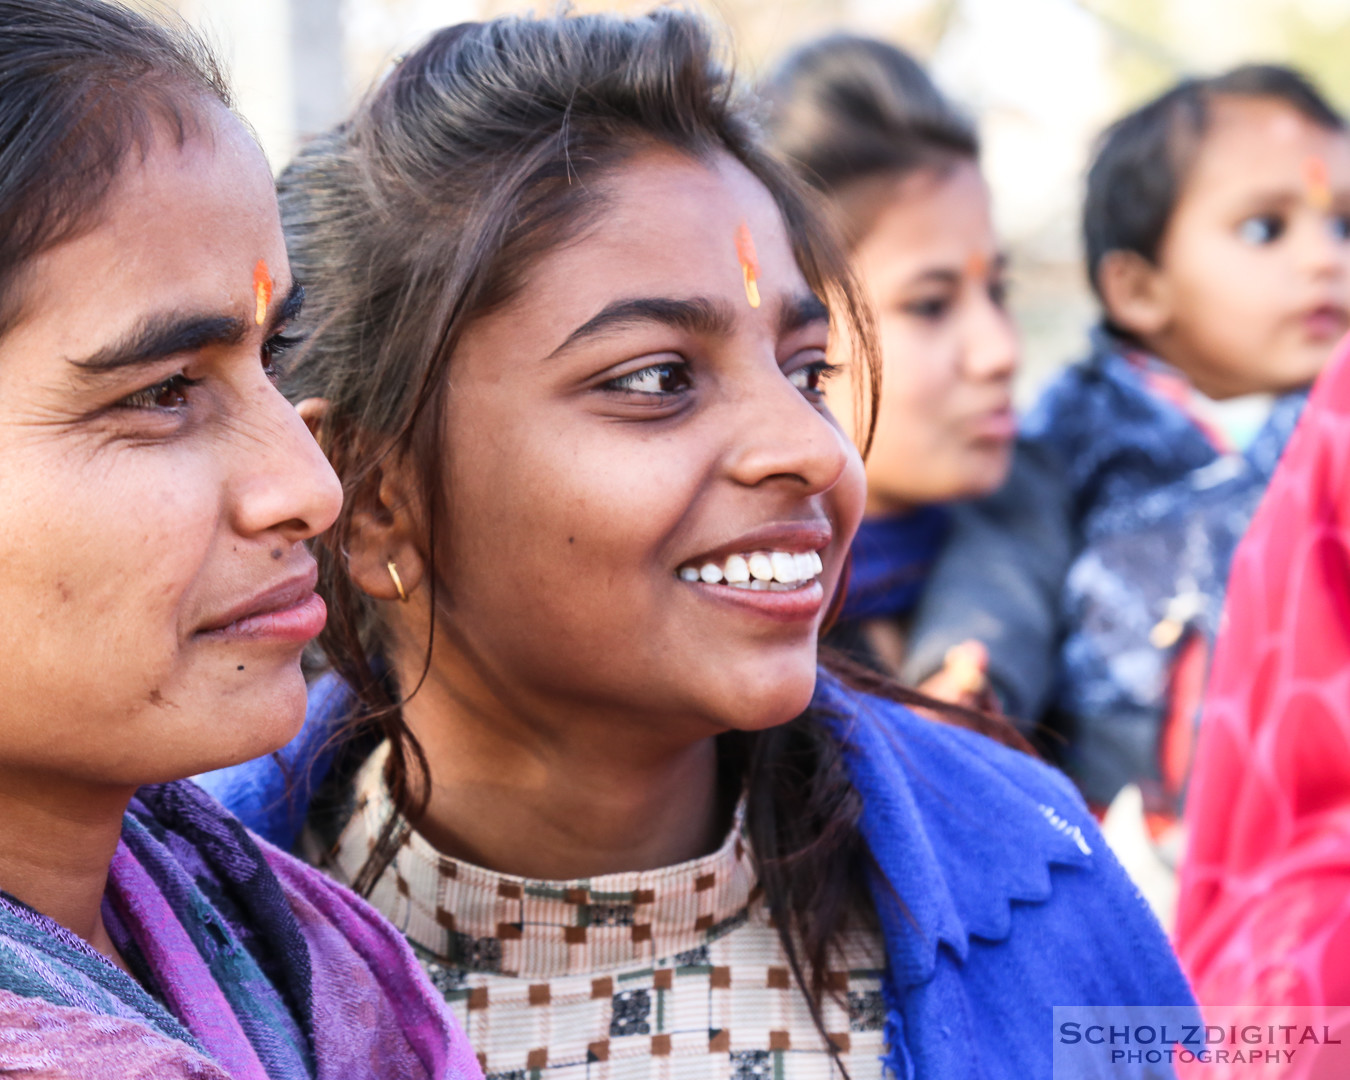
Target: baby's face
(1255,263)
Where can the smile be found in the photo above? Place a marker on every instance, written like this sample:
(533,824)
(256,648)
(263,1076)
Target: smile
(772,571)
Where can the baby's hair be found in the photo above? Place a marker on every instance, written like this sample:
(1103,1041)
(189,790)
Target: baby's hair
(83,84)
(1142,160)
(845,108)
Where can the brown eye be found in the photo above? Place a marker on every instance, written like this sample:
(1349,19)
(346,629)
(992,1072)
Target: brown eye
(811,378)
(658,379)
(167,395)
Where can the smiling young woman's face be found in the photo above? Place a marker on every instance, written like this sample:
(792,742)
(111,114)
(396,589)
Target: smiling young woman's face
(155,488)
(634,448)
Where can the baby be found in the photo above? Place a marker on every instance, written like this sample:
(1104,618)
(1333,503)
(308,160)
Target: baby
(1217,226)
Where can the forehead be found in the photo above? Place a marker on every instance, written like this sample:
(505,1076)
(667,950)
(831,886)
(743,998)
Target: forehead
(177,228)
(929,211)
(1251,141)
(666,225)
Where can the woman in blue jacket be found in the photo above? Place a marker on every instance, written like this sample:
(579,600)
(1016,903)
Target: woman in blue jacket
(569,332)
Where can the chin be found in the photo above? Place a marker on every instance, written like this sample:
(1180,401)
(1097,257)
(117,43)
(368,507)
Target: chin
(766,695)
(250,725)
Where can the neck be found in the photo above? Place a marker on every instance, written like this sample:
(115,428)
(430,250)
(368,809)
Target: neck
(56,843)
(554,791)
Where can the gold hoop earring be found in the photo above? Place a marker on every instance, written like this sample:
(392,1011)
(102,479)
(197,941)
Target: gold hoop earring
(398,581)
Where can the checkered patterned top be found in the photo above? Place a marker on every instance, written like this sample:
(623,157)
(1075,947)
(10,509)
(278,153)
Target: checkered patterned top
(669,974)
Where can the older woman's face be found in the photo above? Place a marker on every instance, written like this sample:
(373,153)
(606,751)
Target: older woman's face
(155,488)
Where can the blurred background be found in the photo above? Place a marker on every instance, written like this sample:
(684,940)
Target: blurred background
(1042,77)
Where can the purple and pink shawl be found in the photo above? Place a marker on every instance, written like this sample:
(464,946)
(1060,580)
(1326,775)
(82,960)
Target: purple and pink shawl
(249,966)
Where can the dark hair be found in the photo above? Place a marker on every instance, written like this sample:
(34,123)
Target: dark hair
(1142,160)
(477,154)
(83,83)
(846,108)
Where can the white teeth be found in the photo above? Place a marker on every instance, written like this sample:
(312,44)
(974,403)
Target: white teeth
(761,567)
(758,570)
(784,567)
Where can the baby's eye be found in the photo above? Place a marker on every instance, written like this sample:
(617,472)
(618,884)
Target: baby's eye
(667,378)
(998,292)
(1340,227)
(1261,229)
(811,378)
(167,395)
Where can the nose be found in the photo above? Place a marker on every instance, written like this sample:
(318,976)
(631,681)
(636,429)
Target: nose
(781,436)
(1324,252)
(283,485)
(992,350)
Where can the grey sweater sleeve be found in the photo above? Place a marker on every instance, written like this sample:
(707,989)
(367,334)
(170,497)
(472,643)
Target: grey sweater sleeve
(998,581)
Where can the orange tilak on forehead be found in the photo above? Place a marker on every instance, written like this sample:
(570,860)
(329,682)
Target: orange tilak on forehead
(1317,183)
(977,266)
(262,292)
(745,254)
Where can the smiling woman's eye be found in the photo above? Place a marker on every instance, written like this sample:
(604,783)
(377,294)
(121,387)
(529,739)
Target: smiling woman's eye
(811,378)
(1260,229)
(1340,227)
(666,378)
(171,394)
(274,348)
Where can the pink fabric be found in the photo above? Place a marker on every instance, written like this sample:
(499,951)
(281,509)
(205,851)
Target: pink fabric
(42,1041)
(1264,909)
(359,960)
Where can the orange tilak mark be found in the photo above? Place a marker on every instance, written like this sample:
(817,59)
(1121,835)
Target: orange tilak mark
(1318,183)
(745,253)
(977,266)
(262,292)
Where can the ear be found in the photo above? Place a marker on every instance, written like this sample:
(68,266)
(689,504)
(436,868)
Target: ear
(313,411)
(385,527)
(1135,294)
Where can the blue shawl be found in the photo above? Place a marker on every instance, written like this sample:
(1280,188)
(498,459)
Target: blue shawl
(890,561)
(997,896)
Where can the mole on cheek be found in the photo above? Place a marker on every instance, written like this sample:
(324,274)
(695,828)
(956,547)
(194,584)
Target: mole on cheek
(276,553)
(63,590)
(240,667)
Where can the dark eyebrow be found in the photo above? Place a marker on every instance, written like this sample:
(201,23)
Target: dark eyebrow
(953,276)
(163,336)
(802,311)
(697,315)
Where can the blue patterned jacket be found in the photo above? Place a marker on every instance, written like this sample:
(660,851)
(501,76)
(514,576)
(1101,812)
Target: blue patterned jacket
(1159,512)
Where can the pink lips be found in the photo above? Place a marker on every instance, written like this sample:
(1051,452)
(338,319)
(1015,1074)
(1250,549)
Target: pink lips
(1325,323)
(998,426)
(790,606)
(288,612)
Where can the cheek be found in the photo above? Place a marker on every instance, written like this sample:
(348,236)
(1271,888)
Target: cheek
(98,563)
(120,539)
(570,514)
